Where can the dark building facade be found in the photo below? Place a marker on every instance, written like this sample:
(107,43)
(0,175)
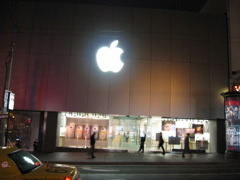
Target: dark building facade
(175,63)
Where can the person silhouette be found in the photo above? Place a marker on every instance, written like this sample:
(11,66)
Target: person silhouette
(186,145)
(142,141)
(161,142)
(92,142)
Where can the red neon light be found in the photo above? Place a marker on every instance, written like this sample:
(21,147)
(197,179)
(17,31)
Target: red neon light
(236,88)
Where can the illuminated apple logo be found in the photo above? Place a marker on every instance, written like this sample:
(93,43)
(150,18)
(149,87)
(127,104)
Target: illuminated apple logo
(108,59)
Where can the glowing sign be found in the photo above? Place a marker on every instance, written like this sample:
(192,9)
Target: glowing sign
(108,59)
(11,101)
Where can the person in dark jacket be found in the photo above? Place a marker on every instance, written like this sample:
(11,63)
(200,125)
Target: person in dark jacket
(161,142)
(92,142)
(186,145)
(142,141)
(35,145)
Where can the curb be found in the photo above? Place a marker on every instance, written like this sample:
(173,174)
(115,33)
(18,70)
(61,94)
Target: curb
(142,163)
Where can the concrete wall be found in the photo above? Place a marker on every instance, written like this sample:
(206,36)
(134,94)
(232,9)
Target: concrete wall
(213,137)
(234,33)
(234,41)
(176,63)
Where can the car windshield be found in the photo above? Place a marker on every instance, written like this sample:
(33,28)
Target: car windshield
(25,161)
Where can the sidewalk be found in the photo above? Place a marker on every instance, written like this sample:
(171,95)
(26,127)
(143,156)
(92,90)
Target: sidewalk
(128,158)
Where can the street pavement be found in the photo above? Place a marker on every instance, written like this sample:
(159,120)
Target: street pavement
(134,158)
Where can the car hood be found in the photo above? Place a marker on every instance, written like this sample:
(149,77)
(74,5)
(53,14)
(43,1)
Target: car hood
(53,171)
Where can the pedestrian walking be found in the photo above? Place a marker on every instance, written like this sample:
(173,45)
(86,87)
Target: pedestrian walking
(92,142)
(142,141)
(186,145)
(161,142)
(35,145)
(127,136)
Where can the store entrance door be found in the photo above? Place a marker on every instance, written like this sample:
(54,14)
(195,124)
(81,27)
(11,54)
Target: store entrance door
(127,132)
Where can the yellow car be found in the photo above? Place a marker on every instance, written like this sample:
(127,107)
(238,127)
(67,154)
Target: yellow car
(17,164)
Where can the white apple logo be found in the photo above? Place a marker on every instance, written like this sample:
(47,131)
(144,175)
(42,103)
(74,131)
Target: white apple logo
(108,59)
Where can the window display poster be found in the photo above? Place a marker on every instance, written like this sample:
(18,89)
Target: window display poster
(168,126)
(70,130)
(191,131)
(182,133)
(103,133)
(95,129)
(86,132)
(75,131)
(79,132)
(198,128)
(233,138)
(179,132)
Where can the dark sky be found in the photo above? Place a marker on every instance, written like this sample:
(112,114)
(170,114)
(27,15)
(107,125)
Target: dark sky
(179,5)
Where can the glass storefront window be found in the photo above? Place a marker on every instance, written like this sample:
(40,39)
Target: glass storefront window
(22,126)
(123,132)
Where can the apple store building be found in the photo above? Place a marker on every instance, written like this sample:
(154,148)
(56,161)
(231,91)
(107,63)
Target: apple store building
(122,72)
